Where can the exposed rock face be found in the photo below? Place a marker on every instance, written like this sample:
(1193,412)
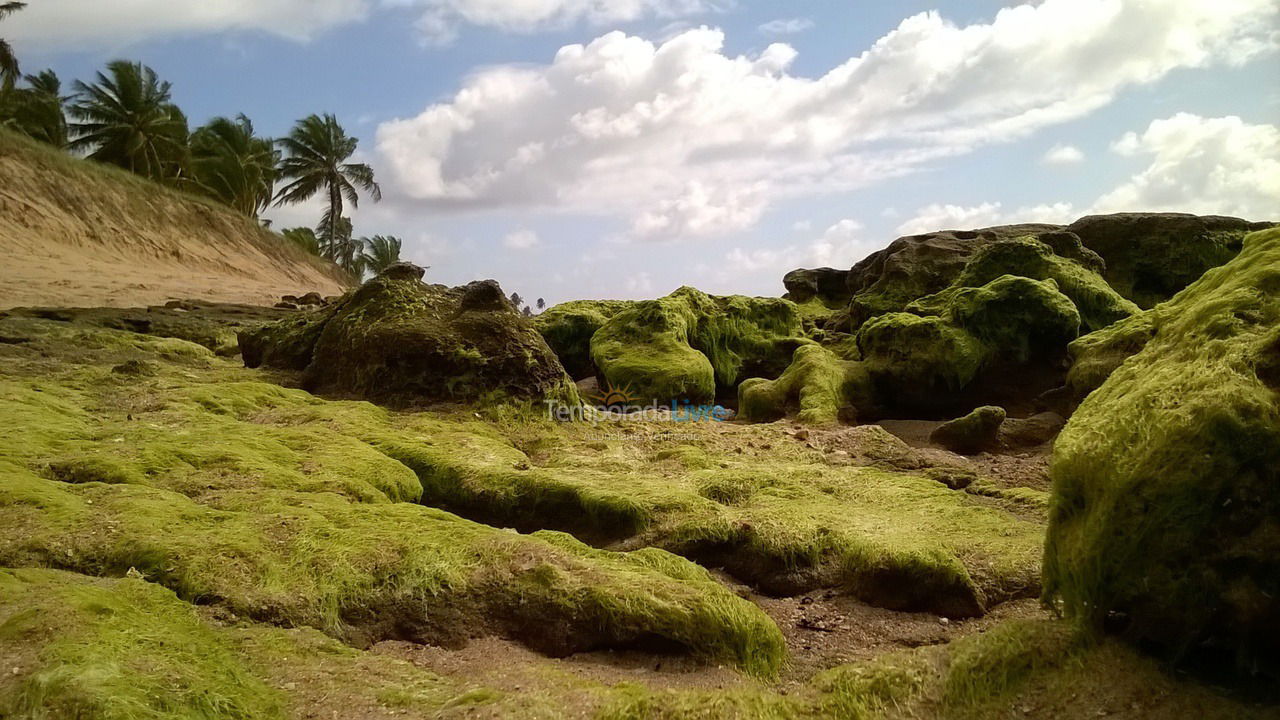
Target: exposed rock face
(1165,512)
(828,285)
(973,433)
(1151,256)
(689,345)
(399,341)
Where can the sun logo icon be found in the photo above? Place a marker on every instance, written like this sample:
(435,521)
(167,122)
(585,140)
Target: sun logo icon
(613,397)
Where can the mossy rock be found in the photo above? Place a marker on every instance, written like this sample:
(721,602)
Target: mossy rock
(81,647)
(973,433)
(915,360)
(399,341)
(818,386)
(914,266)
(568,328)
(1151,256)
(689,345)
(1164,511)
(1016,318)
(1096,355)
(1098,304)
(828,286)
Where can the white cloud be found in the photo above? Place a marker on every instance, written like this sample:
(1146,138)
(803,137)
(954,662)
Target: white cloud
(1202,165)
(786,26)
(958,217)
(840,246)
(1207,166)
(689,141)
(1063,155)
(72,23)
(521,240)
(802,225)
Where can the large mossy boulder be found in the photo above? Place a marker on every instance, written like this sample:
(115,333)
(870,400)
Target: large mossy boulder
(914,266)
(971,434)
(1165,511)
(1098,304)
(1096,355)
(914,361)
(400,341)
(689,345)
(568,328)
(1151,256)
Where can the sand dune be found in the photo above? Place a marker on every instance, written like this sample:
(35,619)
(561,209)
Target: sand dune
(74,233)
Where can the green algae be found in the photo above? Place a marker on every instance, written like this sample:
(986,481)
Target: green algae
(568,328)
(1163,503)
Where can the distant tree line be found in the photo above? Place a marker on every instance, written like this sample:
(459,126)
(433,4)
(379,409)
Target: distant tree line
(126,117)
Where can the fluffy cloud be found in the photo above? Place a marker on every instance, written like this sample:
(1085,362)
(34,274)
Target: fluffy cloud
(957,217)
(840,246)
(1063,155)
(120,22)
(1208,166)
(788,26)
(690,141)
(1202,165)
(521,240)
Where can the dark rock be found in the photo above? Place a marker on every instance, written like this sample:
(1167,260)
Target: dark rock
(311,298)
(1032,431)
(291,299)
(828,285)
(973,433)
(286,306)
(402,342)
(484,295)
(1151,256)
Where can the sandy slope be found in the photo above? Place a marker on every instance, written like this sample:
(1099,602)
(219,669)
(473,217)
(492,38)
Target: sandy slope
(73,233)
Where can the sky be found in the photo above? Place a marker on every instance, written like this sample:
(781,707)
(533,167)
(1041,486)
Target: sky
(623,148)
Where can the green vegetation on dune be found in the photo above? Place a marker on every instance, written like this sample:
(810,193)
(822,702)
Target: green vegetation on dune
(1164,507)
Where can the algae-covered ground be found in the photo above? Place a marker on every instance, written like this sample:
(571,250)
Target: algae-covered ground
(187,538)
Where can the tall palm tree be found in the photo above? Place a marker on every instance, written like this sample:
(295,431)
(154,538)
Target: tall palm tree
(379,252)
(233,165)
(316,154)
(127,118)
(9,72)
(38,109)
(337,244)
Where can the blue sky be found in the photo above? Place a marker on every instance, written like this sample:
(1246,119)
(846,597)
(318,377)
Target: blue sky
(684,145)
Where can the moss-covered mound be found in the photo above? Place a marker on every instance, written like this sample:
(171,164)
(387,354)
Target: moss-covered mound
(1165,511)
(918,265)
(568,328)
(1098,305)
(398,340)
(818,387)
(75,647)
(1096,355)
(1151,256)
(915,360)
(973,433)
(688,345)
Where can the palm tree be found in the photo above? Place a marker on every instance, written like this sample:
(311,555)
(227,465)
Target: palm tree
(336,243)
(380,251)
(317,150)
(126,118)
(9,72)
(37,110)
(233,165)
